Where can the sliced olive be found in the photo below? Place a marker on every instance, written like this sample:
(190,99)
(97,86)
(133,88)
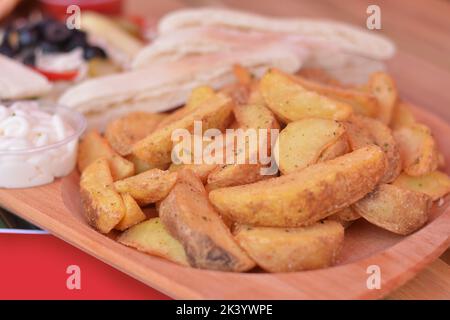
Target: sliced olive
(91,52)
(48,47)
(29,57)
(28,36)
(78,39)
(56,32)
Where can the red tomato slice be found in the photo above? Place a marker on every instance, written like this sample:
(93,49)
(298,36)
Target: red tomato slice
(58,76)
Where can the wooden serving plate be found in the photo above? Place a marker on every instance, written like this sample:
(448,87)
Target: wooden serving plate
(56,208)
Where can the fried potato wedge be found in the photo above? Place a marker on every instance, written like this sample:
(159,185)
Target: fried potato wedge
(345,215)
(306,196)
(148,187)
(292,249)
(133,213)
(290,101)
(358,136)
(242,75)
(337,149)
(363,103)
(435,184)
(255,116)
(319,75)
(124,132)
(142,166)
(395,209)
(382,137)
(201,170)
(418,149)
(234,175)
(93,147)
(102,205)
(402,116)
(157,147)
(198,96)
(191,219)
(153,238)
(121,168)
(383,87)
(301,142)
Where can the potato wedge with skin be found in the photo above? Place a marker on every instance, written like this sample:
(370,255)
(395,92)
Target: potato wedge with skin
(383,87)
(191,219)
(363,103)
(198,96)
(418,149)
(242,75)
(201,170)
(306,196)
(153,238)
(395,209)
(402,116)
(301,143)
(435,184)
(142,166)
(133,213)
(234,175)
(292,249)
(121,168)
(124,132)
(358,136)
(102,205)
(383,138)
(337,149)
(290,101)
(156,149)
(345,215)
(92,147)
(148,187)
(255,116)
(320,76)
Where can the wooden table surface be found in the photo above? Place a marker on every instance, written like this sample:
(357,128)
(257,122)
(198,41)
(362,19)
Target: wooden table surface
(420,28)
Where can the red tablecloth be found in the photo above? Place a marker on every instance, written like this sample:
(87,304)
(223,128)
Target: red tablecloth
(34,267)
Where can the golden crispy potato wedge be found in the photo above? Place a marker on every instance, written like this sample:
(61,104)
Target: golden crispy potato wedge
(292,249)
(402,116)
(290,101)
(142,166)
(337,149)
(255,116)
(363,103)
(121,168)
(345,215)
(198,96)
(190,218)
(306,196)
(301,142)
(201,170)
(148,187)
(124,132)
(92,147)
(418,149)
(358,136)
(320,76)
(102,205)
(435,184)
(234,175)
(133,213)
(156,149)
(242,75)
(383,138)
(383,87)
(395,209)
(153,238)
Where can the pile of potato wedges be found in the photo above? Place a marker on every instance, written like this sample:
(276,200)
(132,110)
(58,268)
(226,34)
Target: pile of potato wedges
(343,152)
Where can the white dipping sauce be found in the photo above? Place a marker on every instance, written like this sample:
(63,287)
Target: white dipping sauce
(23,127)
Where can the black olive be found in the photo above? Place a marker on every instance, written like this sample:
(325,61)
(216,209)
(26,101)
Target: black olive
(78,39)
(48,47)
(56,32)
(91,52)
(28,36)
